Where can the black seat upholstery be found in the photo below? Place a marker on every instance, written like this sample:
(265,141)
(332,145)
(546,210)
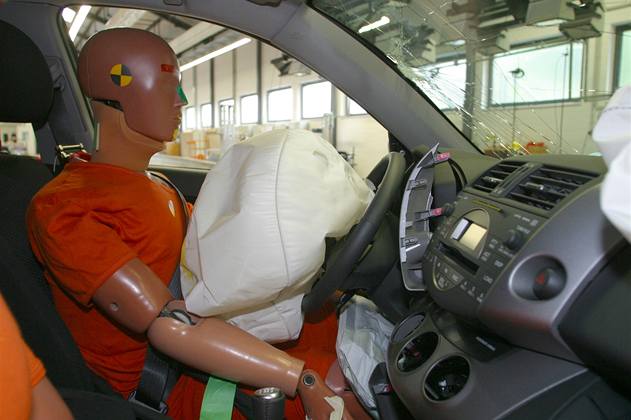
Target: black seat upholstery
(26,95)
(22,283)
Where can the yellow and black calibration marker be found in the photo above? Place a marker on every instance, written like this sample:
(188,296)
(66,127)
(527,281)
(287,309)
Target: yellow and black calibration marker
(121,75)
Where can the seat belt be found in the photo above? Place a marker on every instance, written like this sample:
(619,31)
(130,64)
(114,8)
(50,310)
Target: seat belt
(160,373)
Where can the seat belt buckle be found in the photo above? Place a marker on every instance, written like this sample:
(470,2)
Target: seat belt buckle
(66,151)
(163,408)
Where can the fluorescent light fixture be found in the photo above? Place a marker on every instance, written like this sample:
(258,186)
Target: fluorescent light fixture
(496,21)
(68,14)
(383,21)
(456,42)
(216,53)
(551,22)
(78,21)
(548,10)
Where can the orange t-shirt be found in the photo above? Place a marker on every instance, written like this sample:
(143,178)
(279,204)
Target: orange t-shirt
(84,225)
(20,370)
(91,220)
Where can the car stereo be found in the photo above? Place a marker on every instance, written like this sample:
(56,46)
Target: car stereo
(471,247)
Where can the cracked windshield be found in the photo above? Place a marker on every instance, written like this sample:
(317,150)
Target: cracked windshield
(516,77)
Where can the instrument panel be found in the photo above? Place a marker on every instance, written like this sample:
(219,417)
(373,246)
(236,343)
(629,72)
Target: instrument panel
(471,248)
(498,269)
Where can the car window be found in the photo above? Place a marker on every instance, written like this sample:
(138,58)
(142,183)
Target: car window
(238,87)
(18,139)
(516,77)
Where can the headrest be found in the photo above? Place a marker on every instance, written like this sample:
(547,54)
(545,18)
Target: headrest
(26,87)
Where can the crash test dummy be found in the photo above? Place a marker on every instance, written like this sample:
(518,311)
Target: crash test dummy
(109,236)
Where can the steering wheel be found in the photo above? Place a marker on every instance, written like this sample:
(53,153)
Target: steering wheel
(343,262)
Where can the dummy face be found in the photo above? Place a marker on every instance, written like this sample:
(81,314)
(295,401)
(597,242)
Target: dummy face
(165,100)
(138,70)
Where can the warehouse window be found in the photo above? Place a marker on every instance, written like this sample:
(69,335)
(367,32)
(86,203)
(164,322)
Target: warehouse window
(280,105)
(353,108)
(316,99)
(226,112)
(206,111)
(190,120)
(444,83)
(537,74)
(250,109)
(623,56)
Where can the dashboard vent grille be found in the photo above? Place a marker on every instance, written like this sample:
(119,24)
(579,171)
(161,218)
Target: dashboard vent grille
(547,186)
(496,175)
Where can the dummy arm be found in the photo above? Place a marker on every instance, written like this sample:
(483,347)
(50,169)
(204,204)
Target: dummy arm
(137,299)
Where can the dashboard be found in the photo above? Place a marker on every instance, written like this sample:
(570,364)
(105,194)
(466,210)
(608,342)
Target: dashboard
(499,271)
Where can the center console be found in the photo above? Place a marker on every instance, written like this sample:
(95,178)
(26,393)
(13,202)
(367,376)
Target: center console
(499,269)
(470,249)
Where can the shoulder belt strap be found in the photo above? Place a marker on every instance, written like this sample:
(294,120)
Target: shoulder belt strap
(159,373)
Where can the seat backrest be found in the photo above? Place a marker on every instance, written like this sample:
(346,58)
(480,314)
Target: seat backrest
(26,96)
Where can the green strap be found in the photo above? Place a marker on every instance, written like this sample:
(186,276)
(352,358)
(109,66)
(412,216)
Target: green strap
(218,400)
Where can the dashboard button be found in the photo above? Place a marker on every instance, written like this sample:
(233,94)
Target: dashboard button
(499,263)
(514,239)
(448,209)
(548,283)
(487,278)
(456,277)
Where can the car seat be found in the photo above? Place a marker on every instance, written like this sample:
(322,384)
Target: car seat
(26,95)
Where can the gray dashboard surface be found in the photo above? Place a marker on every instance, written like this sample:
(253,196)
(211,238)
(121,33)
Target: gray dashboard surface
(575,234)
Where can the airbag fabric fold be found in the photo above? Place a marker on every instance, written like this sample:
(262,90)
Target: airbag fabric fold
(256,237)
(612,134)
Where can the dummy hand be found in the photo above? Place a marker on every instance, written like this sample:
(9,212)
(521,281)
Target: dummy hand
(313,392)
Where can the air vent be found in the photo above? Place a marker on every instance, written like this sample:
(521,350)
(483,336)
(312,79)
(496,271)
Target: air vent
(494,176)
(547,186)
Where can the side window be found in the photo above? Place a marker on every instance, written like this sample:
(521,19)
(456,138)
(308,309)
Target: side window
(237,87)
(226,112)
(623,56)
(17,139)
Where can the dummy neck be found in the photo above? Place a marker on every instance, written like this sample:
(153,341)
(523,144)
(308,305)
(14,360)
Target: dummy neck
(119,145)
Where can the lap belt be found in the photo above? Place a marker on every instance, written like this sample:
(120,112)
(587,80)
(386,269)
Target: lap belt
(160,373)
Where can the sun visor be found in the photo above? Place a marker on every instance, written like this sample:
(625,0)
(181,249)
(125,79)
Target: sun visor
(256,240)
(612,134)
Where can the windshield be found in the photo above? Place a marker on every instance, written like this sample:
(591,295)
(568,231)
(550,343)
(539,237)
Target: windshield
(516,77)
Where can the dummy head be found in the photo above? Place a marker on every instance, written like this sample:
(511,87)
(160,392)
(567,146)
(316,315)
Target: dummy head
(136,72)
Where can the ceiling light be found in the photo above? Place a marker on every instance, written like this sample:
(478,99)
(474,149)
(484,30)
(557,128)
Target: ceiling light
(588,22)
(216,53)
(496,21)
(551,22)
(495,44)
(456,42)
(583,28)
(68,14)
(543,11)
(383,21)
(78,21)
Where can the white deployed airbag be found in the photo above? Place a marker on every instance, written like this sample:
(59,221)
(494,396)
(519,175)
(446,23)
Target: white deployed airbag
(613,136)
(256,236)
